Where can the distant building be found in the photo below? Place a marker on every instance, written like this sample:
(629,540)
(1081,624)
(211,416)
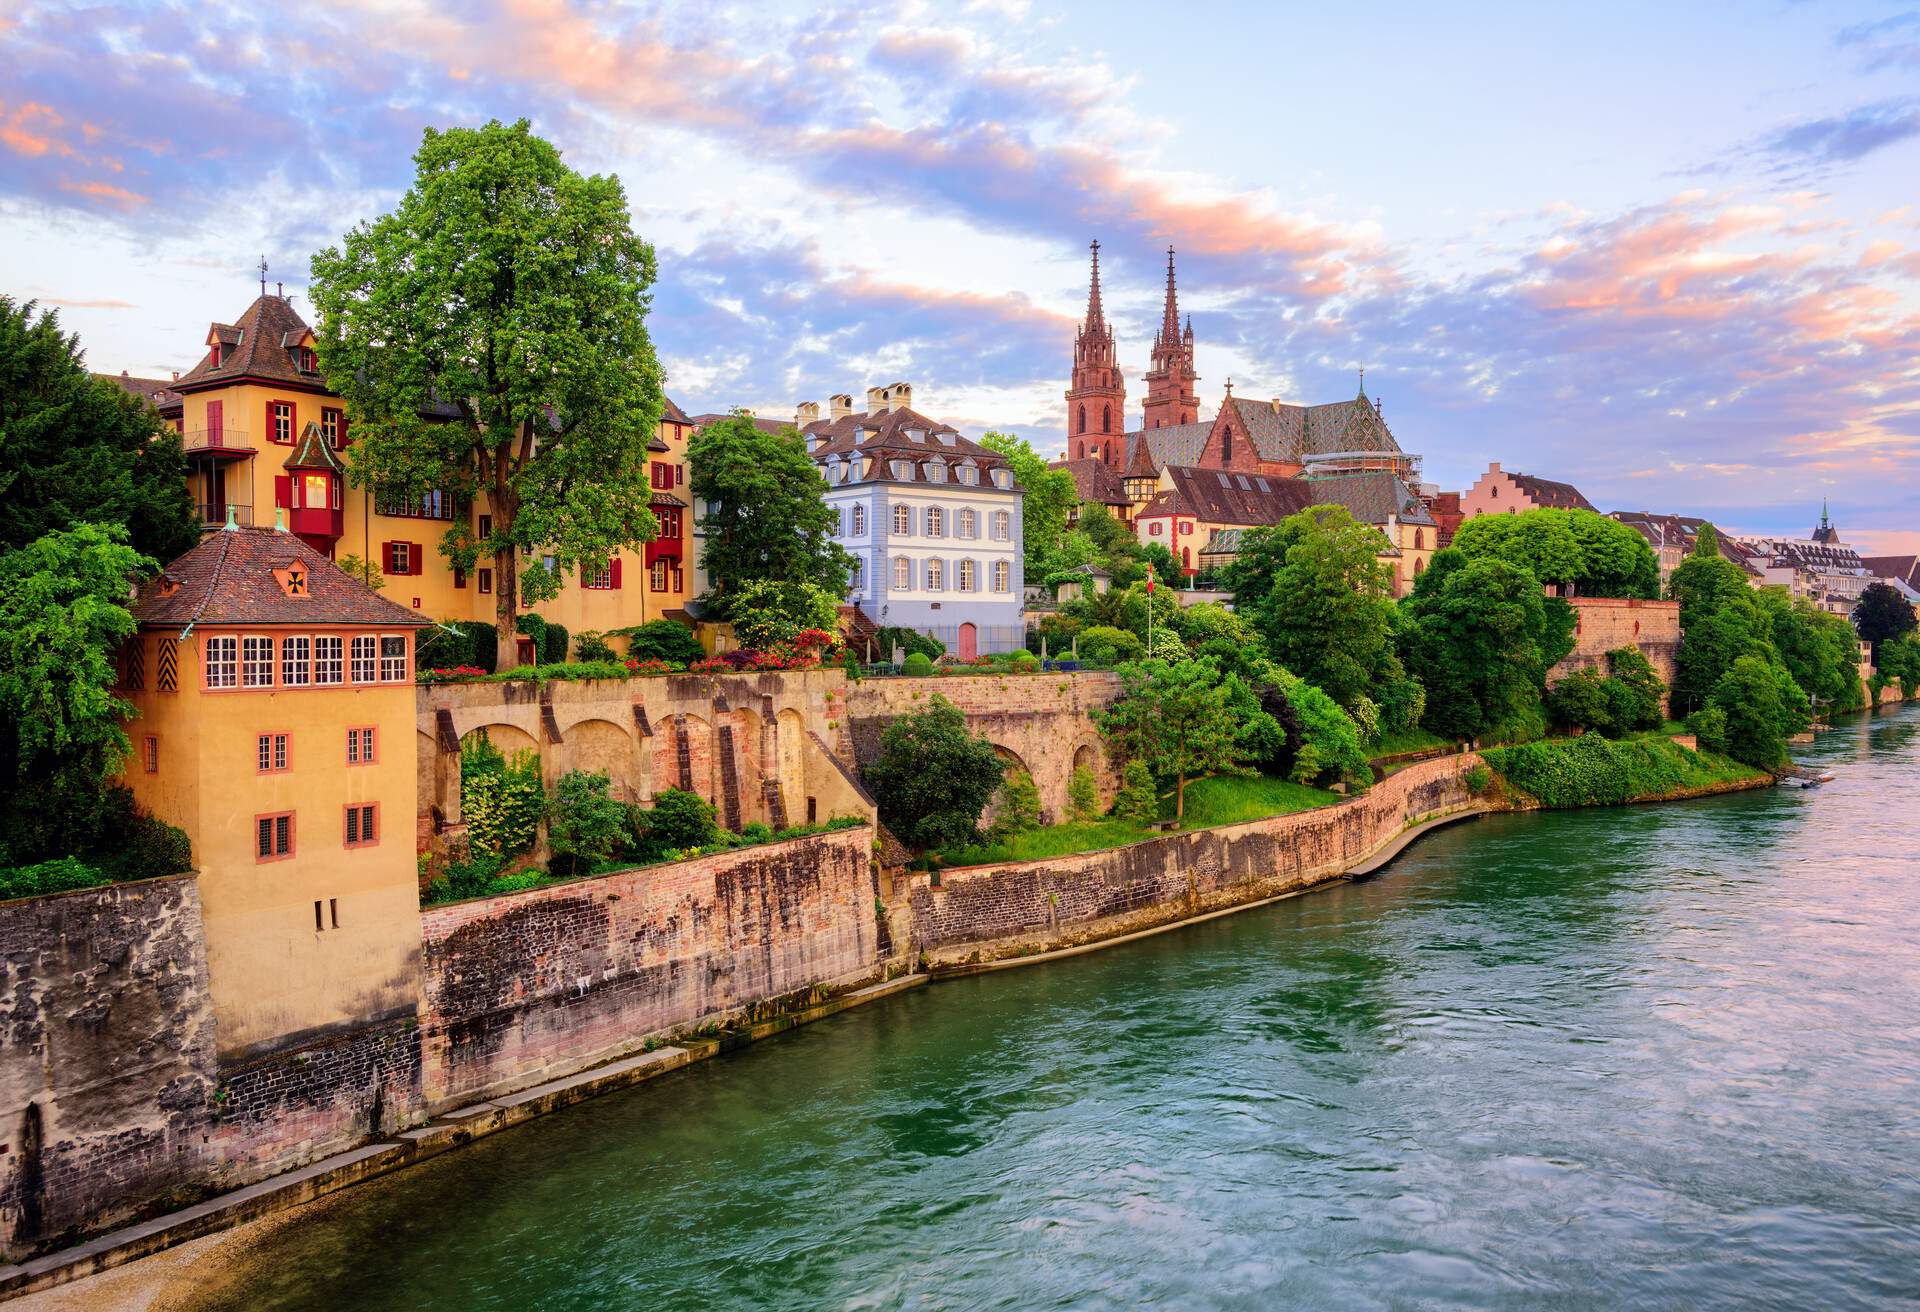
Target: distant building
(156,392)
(932,519)
(1819,567)
(1672,538)
(1500,491)
(1902,569)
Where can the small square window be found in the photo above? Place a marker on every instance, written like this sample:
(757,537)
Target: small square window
(360,746)
(274,753)
(362,827)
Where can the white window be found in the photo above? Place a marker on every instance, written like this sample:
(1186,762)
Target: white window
(296,662)
(366,652)
(902,573)
(1002,526)
(393,659)
(969,524)
(223,662)
(903,520)
(327,660)
(936,522)
(256,662)
(1002,576)
(936,576)
(859,521)
(969,579)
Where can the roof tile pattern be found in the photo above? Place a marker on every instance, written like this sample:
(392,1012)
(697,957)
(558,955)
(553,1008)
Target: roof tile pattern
(1094,481)
(256,347)
(1294,434)
(229,579)
(1216,496)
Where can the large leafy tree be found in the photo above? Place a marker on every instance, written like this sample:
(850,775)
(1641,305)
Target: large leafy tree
(1180,719)
(1480,636)
(1882,613)
(1763,707)
(78,449)
(765,517)
(490,339)
(933,778)
(1316,589)
(1597,556)
(1818,648)
(1051,497)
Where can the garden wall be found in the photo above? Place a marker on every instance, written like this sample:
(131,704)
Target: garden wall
(1604,624)
(1019,907)
(536,985)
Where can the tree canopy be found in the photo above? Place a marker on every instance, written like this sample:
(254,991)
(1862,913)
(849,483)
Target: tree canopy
(489,336)
(1179,719)
(76,449)
(765,518)
(1882,613)
(1480,637)
(933,778)
(1594,554)
(1050,498)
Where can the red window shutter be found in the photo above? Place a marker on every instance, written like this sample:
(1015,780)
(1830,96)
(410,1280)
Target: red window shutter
(386,558)
(283,491)
(416,557)
(614,570)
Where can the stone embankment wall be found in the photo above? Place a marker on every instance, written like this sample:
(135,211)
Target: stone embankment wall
(1604,624)
(1040,722)
(536,985)
(106,1053)
(1018,907)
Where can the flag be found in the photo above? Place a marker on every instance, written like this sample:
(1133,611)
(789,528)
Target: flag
(1149,580)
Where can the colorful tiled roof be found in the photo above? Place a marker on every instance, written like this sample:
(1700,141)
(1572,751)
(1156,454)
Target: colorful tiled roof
(1294,434)
(230,579)
(1218,496)
(902,445)
(1171,444)
(1371,497)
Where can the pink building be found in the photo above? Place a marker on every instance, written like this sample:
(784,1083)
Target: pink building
(1498,492)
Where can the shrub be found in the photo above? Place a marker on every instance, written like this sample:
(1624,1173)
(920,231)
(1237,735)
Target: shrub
(768,614)
(501,799)
(1136,799)
(144,847)
(933,777)
(531,625)
(756,832)
(917,664)
(553,645)
(1580,701)
(1025,662)
(1635,690)
(57,876)
(585,825)
(1019,810)
(1594,771)
(591,646)
(1105,645)
(662,640)
(1083,794)
(909,641)
(1708,725)
(1478,779)
(445,647)
(486,645)
(676,821)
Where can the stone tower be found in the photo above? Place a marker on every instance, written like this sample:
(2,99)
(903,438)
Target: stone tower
(1171,398)
(1097,400)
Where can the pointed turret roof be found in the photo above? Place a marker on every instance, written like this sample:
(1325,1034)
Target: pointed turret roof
(1096,316)
(1170,312)
(314,452)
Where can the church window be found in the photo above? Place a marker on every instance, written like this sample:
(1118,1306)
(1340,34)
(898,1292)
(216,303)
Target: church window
(1226,444)
(1083,419)
(1419,539)
(1106,419)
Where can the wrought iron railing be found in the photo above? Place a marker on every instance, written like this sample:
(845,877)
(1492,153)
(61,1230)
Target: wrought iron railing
(215,512)
(216,439)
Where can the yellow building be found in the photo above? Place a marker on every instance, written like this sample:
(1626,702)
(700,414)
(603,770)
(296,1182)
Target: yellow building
(275,725)
(263,432)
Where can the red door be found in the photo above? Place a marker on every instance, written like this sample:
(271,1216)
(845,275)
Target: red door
(969,642)
(216,423)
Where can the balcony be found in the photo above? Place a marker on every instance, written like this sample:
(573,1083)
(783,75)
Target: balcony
(215,513)
(220,443)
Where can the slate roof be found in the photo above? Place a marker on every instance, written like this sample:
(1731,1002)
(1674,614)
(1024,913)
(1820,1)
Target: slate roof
(1295,434)
(1218,496)
(157,392)
(256,347)
(888,437)
(1173,444)
(229,579)
(1549,494)
(313,452)
(1904,568)
(764,425)
(1093,481)
(1371,497)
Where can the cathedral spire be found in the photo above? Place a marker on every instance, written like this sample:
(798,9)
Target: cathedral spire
(1171,398)
(1095,317)
(1170,315)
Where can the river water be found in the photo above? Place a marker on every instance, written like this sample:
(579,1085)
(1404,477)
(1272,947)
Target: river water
(1664,1056)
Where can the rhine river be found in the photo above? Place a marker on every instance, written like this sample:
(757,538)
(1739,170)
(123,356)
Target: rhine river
(1665,1056)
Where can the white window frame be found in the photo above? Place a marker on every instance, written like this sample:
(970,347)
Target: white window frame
(966,576)
(968,523)
(393,658)
(256,661)
(935,520)
(329,658)
(935,571)
(1002,526)
(902,574)
(859,519)
(363,665)
(223,661)
(1002,576)
(903,521)
(296,661)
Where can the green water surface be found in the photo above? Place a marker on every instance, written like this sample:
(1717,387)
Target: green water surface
(1656,1057)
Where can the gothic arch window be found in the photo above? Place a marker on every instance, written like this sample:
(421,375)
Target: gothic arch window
(1106,419)
(1083,419)
(1226,445)
(1419,539)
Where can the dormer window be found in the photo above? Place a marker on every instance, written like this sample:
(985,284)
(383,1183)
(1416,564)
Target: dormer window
(936,472)
(213,361)
(308,364)
(1002,478)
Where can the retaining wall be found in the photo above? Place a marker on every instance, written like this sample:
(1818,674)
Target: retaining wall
(1603,624)
(1019,907)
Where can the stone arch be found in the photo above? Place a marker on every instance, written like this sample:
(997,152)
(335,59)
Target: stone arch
(1011,761)
(790,756)
(509,738)
(1089,754)
(602,745)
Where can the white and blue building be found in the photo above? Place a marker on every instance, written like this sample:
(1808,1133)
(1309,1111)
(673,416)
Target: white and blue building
(931,519)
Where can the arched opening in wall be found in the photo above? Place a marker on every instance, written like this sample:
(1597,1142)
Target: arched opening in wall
(1010,764)
(683,756)
(790,771)
(1083,419)
(603,747)
(510,739)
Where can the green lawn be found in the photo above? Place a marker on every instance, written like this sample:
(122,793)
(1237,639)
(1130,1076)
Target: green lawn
(1220,800)
(1408,740)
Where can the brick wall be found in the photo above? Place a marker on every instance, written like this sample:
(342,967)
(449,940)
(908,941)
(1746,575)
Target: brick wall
(539,984)
(1607,623)
(106,1053)
(1042,720)
(1002,909)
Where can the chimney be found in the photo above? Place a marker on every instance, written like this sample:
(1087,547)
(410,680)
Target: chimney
(808,412)
(901,396)
(876,400)
(839,406)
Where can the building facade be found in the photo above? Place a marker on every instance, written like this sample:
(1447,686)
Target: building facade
(1502,492)
(932,520)
(264,433)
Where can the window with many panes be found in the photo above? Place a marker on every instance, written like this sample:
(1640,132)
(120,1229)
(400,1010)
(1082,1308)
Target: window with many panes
(1002,576)
(936,576)
(296,662)
(858,574)
(273,836)
(1002,526)
(657,576)
(936,522)
(393,659)
(150,754)
(859,520)
(366,653)
(280,422)
(969,524)
(902,520)
(256,662)
(966,576)
(274,753)
(360,745)
(223,662)
(902,573)
(362,824)
(327,667)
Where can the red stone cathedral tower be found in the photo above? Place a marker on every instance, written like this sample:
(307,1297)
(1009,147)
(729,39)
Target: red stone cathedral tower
(1097,400)
(1171,398)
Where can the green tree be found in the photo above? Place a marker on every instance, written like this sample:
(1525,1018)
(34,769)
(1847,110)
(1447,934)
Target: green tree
(1882,613)
(766,515)
(1635,691)
(1316,589)
(1480,637)
(932,777)
(77,449)
(1615,561)
(767,614)
(1705,581)
(1178,719)
(1763,708)
(1819,649)
(1712,641)
(677,821)
(585,823)
(1580,701)
(1329,744)
(1019,804)
(1596,555)
(1049,501)
(663,640)
(1103,645)
(490,339)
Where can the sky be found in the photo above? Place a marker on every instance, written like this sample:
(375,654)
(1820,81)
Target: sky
(1667,252)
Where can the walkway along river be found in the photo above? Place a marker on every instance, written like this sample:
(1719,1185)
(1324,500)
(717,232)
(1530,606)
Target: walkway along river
(1662,1056)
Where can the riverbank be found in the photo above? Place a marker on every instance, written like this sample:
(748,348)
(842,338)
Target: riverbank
(1164,883)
